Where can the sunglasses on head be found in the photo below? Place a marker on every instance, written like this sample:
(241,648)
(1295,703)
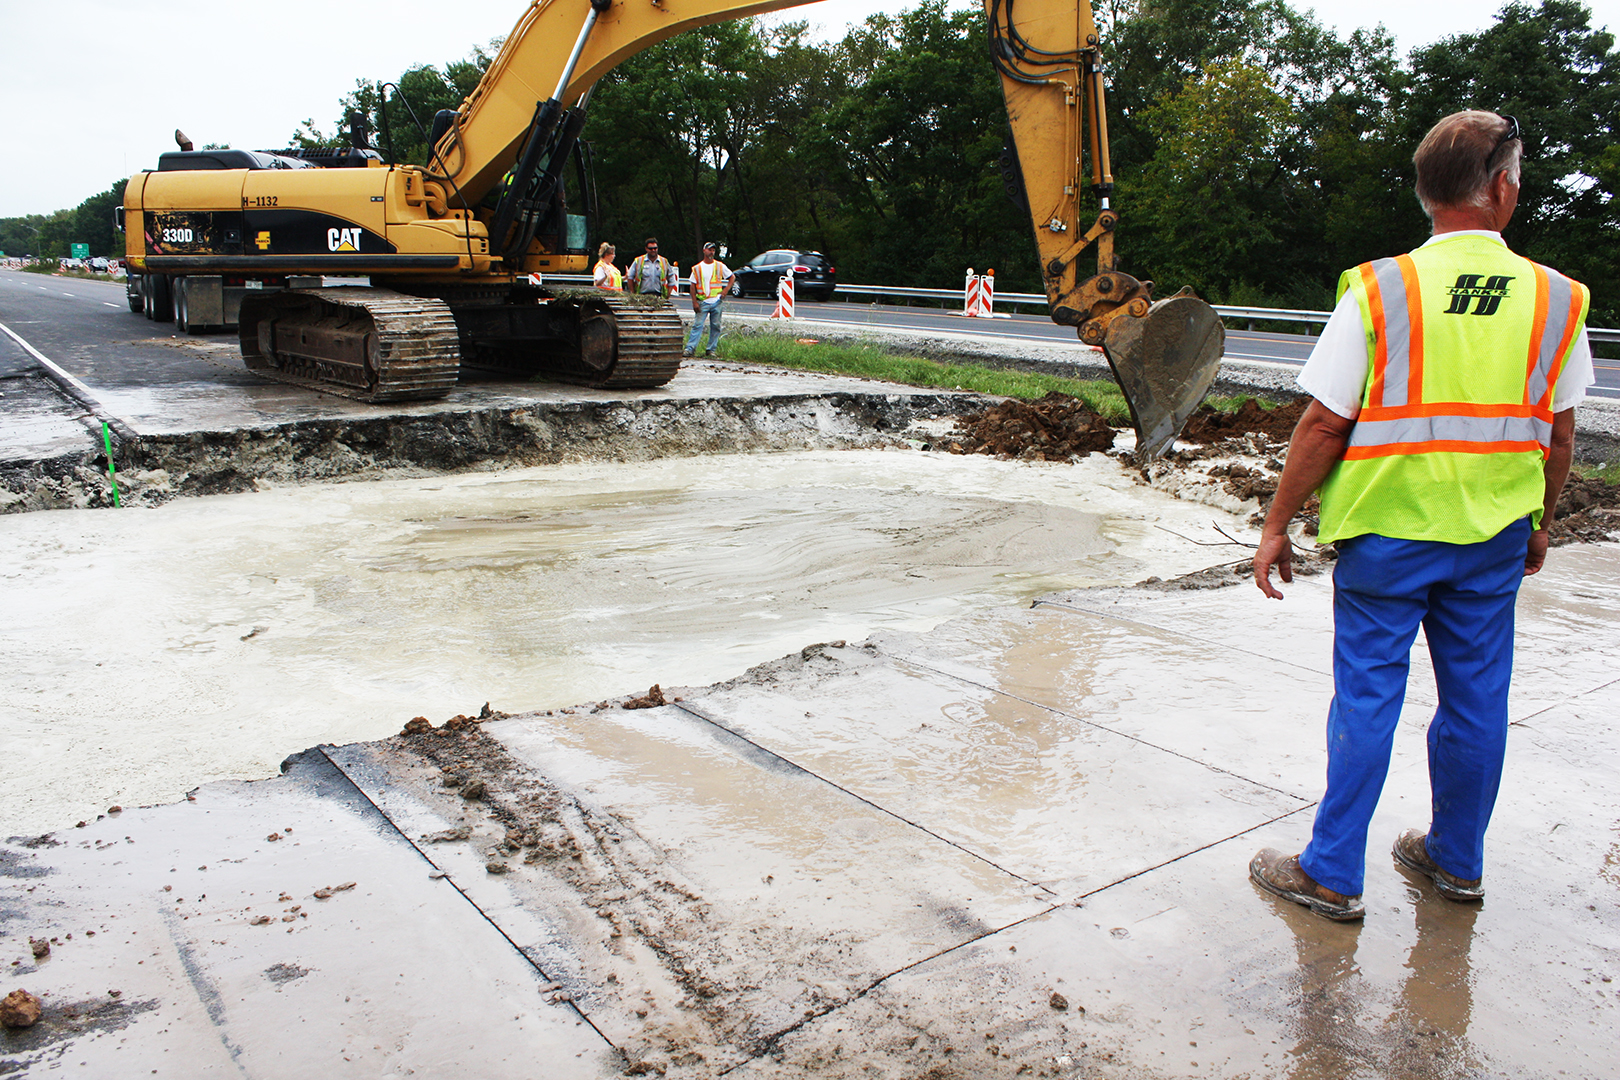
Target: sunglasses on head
(1512,133)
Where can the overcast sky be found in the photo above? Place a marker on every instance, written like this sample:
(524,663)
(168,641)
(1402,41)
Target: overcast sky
(95,88)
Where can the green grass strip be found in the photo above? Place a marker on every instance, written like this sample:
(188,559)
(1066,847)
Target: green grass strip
(112,470)
(1609,473)
(870,362)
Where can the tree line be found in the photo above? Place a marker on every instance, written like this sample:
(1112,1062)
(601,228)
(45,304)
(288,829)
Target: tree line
(1256,152)
(51,236)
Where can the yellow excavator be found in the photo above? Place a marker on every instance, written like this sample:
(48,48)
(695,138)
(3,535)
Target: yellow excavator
(216,237)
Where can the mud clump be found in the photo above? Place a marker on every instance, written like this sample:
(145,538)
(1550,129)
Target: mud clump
(326,892)
(20,1009)
(1056,427)
(421,725)
(653,699)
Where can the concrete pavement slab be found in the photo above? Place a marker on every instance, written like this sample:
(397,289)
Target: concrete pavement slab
(712,895)
(195,940)
(1190,971)
(1058,796)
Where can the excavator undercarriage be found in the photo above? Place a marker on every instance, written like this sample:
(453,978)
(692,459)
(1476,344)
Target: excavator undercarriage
(381,345)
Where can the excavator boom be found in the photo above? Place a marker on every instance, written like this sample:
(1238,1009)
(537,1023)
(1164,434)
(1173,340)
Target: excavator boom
(1164,354)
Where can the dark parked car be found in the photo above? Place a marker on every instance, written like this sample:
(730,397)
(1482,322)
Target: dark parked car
(814,275)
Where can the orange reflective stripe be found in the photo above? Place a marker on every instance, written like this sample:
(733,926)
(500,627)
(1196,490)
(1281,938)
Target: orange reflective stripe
(1414,315)
(1442,446)
(1454,408)
(1375,306)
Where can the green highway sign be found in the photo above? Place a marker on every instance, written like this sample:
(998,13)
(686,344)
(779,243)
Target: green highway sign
(81,251)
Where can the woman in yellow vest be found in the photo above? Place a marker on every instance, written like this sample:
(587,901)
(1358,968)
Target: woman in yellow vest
(607,275)
(1439,439)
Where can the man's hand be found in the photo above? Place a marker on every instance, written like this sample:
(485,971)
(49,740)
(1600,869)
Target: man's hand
(1316,447)
(1275,550)
(1535,554)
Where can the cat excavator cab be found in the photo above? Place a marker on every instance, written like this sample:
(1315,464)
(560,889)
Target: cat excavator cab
(453,249)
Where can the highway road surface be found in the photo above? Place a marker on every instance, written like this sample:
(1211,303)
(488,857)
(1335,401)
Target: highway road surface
(87,329)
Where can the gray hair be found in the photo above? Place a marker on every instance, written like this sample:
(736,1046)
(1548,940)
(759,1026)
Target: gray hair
(1460,157)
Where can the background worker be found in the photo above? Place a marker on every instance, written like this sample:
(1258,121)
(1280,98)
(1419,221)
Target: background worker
(606,275)
(710,280)
(650,274)
(1440,437)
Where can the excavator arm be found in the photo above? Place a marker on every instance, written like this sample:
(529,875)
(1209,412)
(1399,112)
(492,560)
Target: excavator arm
(1048,55)
(1164,355)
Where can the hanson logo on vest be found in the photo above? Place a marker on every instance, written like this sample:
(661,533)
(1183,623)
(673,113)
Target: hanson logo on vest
(349,240)
(1468,288)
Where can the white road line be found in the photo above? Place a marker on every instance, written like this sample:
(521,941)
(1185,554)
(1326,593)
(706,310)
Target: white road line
(70,294)
(82,390)
(105,304)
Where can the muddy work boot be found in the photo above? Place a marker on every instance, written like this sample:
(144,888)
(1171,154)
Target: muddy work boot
(1282,876)
(1412,852)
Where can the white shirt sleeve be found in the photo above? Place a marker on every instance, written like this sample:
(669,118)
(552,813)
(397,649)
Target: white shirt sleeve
(1336,372)
(1576,376)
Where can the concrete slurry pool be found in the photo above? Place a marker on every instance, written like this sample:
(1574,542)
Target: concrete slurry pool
(153,650)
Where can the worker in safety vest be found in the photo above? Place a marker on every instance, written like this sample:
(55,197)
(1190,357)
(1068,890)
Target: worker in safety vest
(710,280)
(650,273)
(1439,438)
(606,275)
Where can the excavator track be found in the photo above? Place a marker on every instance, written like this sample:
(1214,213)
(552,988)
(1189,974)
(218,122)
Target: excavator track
(648,346)
(373,345)
(614,341)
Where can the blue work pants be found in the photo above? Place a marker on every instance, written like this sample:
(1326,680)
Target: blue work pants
(710,311)
(1463,596)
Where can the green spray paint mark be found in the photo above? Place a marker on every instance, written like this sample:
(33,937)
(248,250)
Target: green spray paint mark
(112,470)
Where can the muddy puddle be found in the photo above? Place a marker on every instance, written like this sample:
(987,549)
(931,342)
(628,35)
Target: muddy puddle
(153,650)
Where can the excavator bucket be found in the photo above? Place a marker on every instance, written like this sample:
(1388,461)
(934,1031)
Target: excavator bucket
(1164,361)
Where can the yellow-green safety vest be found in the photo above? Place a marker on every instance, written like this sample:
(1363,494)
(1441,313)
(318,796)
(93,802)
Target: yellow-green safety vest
(707,279)
(1465,344)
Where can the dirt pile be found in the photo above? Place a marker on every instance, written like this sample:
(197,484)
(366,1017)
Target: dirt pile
(1209,426)
(1057,427)
(1588,511)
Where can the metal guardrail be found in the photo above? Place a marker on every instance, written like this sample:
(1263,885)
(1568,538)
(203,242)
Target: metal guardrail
(1226,311)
